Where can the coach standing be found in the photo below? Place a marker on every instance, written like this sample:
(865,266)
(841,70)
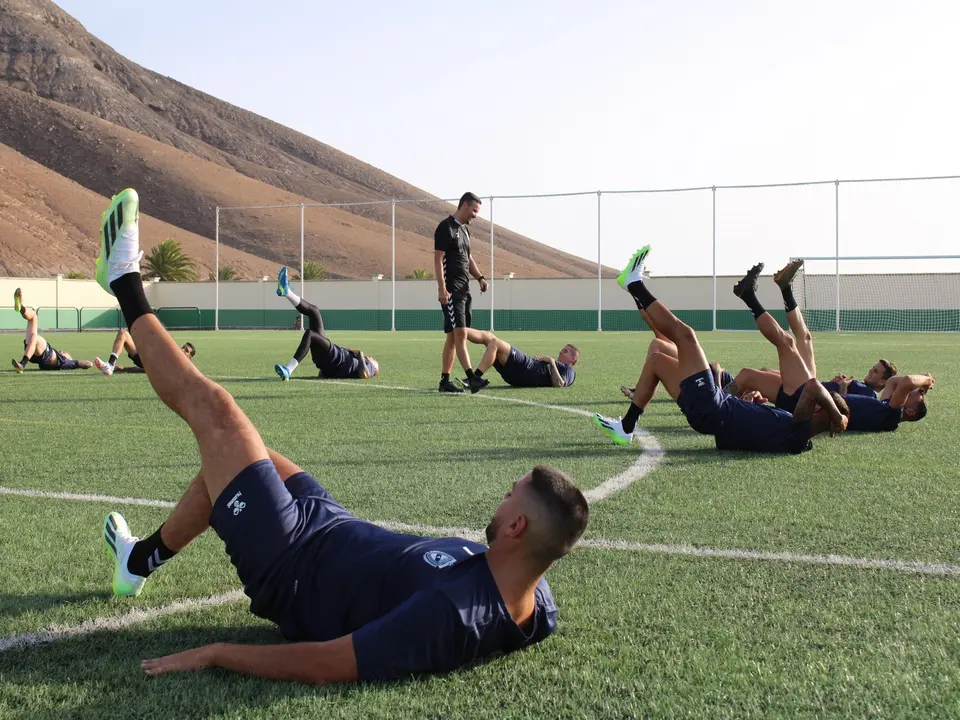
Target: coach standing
(454,266)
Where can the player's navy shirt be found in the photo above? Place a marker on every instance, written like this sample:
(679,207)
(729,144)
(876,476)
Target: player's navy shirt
(414,604)
(453,239)
(761,428)
(872,415)
(521,370)
(855,388)
(340,363)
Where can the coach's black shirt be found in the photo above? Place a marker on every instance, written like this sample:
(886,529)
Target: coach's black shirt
(453,239)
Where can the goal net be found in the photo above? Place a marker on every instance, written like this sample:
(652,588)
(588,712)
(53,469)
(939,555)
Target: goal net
(884,294)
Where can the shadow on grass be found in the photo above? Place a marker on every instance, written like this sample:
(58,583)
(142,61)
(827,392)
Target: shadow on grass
(12,605)
(99,676)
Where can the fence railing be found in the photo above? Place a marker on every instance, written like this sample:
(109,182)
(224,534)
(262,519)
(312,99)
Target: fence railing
(707,230)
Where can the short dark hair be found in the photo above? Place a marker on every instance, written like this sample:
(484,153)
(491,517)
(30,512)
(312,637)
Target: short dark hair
(469,197)
(889,369)
(193,350)
(921,408)
(565,513)
(576,350)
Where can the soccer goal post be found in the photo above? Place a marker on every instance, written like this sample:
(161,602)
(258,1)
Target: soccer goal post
(880,294)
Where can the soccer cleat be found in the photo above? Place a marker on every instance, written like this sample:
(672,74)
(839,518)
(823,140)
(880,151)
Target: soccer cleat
(448,387)
(119,239)
(748,283)
(784,278)
(283,284)
(104,367)
(282,371)
(17,366)
(476,384)
(119,546)
(633,272)
(18,299)
(613,429)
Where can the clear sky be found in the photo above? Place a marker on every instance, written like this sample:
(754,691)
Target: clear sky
(521,96)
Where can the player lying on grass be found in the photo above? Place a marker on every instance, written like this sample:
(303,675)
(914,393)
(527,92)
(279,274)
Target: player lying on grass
(735,424)
(663,345)
(36,349)
(517,368)
(360,602)
(332,360)
(123,341)
(905,396)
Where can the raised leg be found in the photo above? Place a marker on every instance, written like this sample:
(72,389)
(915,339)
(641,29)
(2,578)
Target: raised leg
(793,371)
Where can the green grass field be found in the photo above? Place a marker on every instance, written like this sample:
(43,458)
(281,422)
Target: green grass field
(646,628)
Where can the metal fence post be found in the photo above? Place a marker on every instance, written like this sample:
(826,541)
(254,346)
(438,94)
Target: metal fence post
(599,272)
(492,275)
(714,257)
(302,281)
(836,218)
(393,265)
(216,276)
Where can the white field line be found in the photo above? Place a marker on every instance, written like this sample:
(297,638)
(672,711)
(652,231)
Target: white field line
(117,622)
(911,566)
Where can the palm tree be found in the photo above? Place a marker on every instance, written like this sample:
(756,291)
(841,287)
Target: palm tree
(420,274)
(313,271)
(227,273)
(168,262)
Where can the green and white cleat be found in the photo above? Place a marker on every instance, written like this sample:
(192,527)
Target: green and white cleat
(613,429)
(283,284)
(119,239)
(633,272)
(119,545)
(18,300)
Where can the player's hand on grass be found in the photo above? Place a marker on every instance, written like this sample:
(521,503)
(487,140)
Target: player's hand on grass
(200,658)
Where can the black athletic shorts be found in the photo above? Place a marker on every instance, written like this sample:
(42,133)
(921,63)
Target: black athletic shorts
(788,402)
(457,312)
(135,359)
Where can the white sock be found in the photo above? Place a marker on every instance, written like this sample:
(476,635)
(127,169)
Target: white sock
(292,365)
(292,297)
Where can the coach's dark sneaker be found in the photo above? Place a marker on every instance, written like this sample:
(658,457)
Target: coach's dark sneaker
(748,284)
(476,384)
(448,387)
(783,278)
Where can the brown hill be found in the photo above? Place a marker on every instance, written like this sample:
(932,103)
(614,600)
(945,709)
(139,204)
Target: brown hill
(77,107)
(46,221)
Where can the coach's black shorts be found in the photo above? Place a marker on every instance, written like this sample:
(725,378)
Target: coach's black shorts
(788,402)
(457,312)
(264,522)
(705,405)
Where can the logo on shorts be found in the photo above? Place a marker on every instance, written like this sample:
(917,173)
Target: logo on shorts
(439,559)
(699,382)
(236,504)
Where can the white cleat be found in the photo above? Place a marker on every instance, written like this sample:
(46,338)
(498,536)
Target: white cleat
(120,252)
(104,367)
(633,272)
(119,546)
(613,429)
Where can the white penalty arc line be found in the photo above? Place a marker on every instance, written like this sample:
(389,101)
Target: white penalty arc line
(649,460)
(909,566)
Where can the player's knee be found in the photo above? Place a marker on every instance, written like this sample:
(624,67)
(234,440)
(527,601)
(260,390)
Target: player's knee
(786,341)
(657,346)
(211,405)
(686,334)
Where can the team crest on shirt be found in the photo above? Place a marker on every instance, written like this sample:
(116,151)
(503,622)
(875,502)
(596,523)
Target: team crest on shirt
(439,559)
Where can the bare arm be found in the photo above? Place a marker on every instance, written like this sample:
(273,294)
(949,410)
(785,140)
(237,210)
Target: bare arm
(477,275)
(905,385)
(815,394)
(442,293)
(555,376)
(316,663)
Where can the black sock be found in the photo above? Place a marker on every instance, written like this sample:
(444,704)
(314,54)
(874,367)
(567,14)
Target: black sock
(789,303)
(129,291)
(148,555)
(629,421)
(444,377)
(113,359)
(478,373)
(750,298)
(641,295)
(25,360)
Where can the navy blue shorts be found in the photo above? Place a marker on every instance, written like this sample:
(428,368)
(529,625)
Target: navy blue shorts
(263,522)
(704,404)
(512,371)
(53,359)
(337,362)
(788,402)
